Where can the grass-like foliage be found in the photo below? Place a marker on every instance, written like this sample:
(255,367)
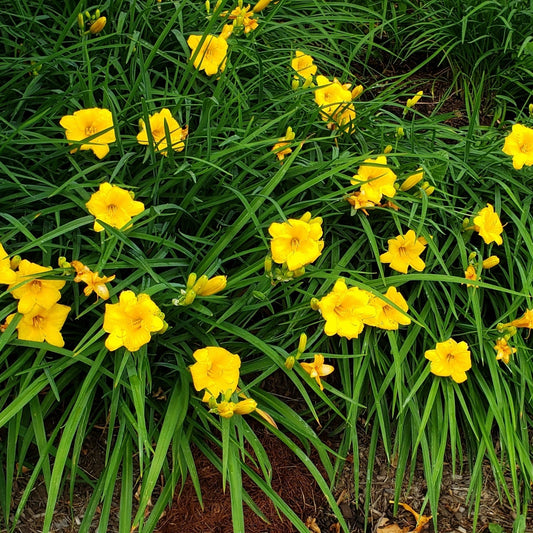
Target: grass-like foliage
(211,190)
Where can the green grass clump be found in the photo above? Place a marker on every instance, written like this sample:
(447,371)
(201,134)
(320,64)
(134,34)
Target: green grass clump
(208,209)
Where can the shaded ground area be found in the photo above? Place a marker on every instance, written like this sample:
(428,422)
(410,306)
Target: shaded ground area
(300,491)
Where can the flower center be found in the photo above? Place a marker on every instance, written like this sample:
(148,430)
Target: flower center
(136,323)
(37,321)
(295,242)
(112,209)
(214,372)
(90,130)
(402,251)
(36,286)
(449,357)
(340,311)
(525,148)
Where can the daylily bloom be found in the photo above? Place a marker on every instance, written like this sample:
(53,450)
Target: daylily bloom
(331,96)
(376,179)
(131,321)
(387,316)
(525,321)
(317,369)
(283,141)
(157,123)
(404,251)
(114,206)
(519,144)
(35,291)
(503,350)
(40,324)
(216,370)
(86,123)
(94,282)
(212,55)
(345,310)
(7,275)
(243,17)
(296,242)
(450,358)
(303,64)
(487,224)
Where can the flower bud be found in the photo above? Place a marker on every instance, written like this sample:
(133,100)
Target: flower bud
(81,22)
(491,261)
(261,5)
(411,181)
(190,295)
(412,101)
(315,304)
(472,256)
(388,149)
(191,280)
(210,286)
(302,344)
(531,110)
(245,407)
(14,262)
(356,91)
(308,82)
(289,362)
(98,25)
(208,6)
(295,84)
(226,409)
(399,132)
(298,272)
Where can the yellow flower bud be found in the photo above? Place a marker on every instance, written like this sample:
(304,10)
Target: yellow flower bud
(191,280)
(308,82)
(315,304)
(302,344)
(491,261)
(399,132)
(261,5)
(81,22)
(14,262)
(63,263)
(289,362)
(388,149)
(226,409)
(531,110)
(189,298)
(412,101)
(208,6)
(411,181)
(298,272)
(268,264)
(295,84)
(98,25)
(245,407)
(210,286)
(472,256)
(356,91)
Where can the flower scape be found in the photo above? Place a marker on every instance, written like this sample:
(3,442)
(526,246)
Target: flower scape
(216,224)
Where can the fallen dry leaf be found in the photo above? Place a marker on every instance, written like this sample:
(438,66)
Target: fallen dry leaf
(311,525)
(421,520)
